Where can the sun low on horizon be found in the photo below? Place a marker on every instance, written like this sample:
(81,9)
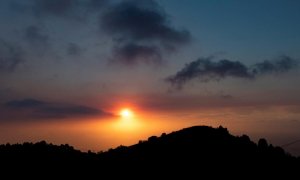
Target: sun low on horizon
(126,113)
(127,121)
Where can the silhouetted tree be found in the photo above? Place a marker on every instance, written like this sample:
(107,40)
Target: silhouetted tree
(262,143)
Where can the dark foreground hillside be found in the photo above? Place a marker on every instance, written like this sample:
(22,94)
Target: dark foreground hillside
(194,152)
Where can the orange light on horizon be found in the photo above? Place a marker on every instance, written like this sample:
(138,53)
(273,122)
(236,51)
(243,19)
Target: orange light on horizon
(127,121)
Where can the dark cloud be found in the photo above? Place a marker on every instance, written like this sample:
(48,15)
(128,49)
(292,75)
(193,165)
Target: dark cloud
(206,70)
(34,36)
(26,103)
(137,20)
(36,109)
(140,31)
(67,111)
(141,25)
(74,49)
(279,65)
(11,55)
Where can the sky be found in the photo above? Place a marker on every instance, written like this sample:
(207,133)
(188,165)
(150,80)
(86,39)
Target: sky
(68,67)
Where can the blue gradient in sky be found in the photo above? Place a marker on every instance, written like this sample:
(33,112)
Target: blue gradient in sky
(243,29)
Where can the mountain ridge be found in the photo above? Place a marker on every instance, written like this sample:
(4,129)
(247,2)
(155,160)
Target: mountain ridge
(193,150)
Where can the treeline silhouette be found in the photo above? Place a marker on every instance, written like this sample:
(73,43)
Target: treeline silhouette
(193,152)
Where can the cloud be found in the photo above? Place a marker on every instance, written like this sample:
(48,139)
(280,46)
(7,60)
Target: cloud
(36,109)
(11,55)
(140,31)
(64,111)
(205,70)
(141,25)
(26,103)
(279,65)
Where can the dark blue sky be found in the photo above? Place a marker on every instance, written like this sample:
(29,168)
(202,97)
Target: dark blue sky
(244,29)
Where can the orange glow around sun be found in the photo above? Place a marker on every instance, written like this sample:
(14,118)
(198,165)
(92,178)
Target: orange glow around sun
(126,113)
(128,121)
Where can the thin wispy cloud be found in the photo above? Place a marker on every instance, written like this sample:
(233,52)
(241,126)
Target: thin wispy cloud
(33,109)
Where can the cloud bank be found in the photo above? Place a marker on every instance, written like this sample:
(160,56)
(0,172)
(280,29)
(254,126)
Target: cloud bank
(31,109)
(205,70)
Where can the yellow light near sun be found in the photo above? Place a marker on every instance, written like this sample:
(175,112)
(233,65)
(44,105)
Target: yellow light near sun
(126,113)
(127,120)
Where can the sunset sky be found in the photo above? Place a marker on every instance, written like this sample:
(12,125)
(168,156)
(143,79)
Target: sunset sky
(69,67)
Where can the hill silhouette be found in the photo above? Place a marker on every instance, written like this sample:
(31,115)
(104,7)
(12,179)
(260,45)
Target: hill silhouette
(198,151)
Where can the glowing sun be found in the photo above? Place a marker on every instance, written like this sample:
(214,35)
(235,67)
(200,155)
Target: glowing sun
(127,121)
(126,113)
